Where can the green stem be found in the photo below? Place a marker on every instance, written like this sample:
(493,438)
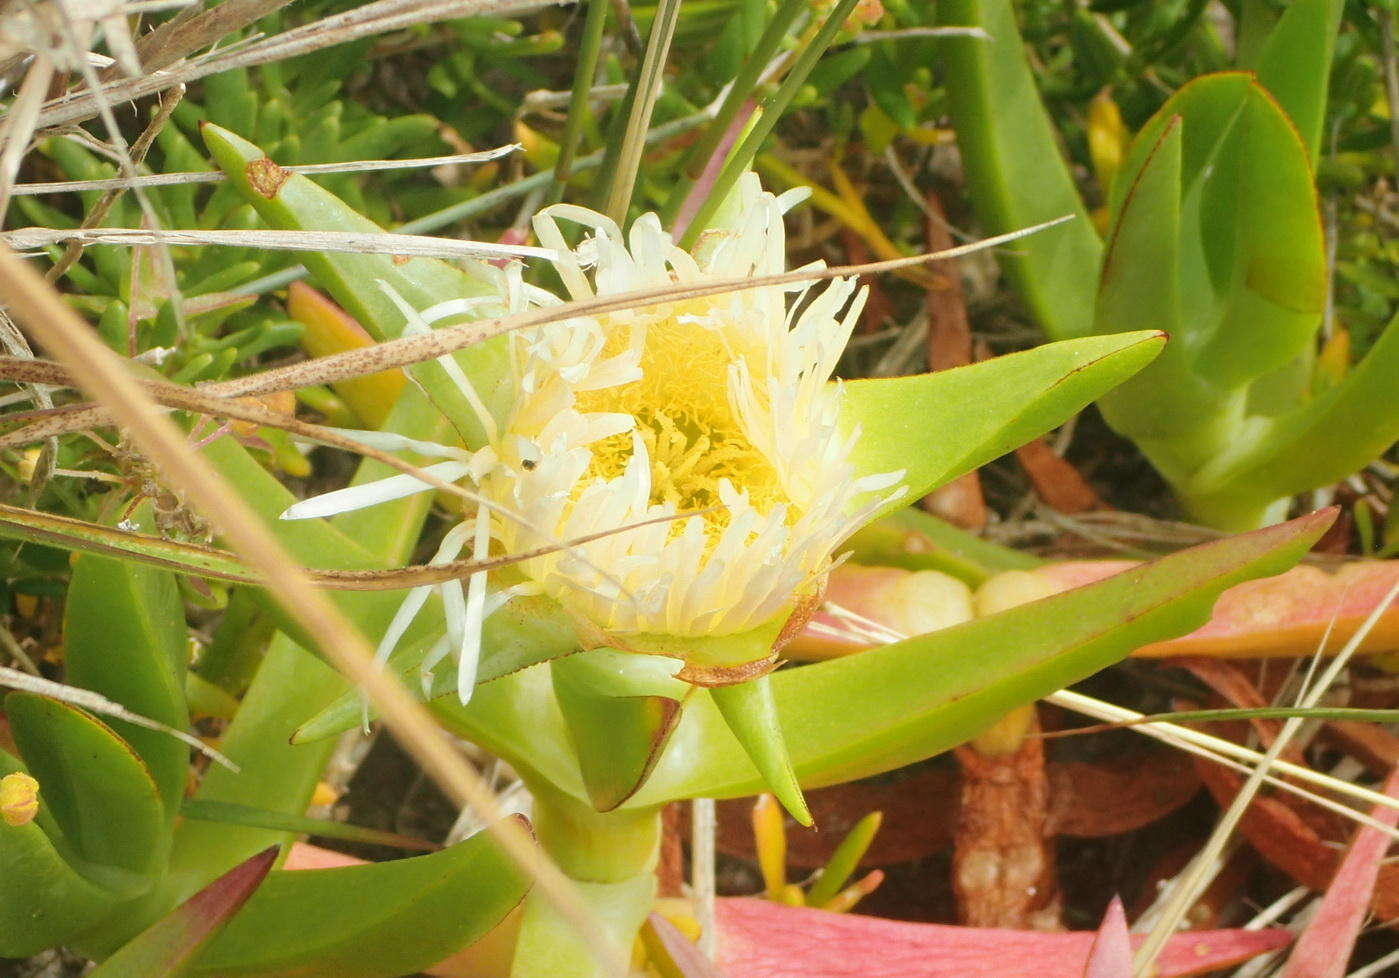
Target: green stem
(589,46)
(743,155)
(611,857)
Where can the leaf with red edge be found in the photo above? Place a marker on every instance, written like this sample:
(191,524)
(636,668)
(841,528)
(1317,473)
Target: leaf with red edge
(164,948)
(1111,954)
(759,939)
(1325,946)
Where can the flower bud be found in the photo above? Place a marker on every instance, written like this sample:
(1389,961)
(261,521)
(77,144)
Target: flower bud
(19,799)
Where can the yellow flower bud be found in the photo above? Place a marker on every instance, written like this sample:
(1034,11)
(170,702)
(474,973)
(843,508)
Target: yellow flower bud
(19,798)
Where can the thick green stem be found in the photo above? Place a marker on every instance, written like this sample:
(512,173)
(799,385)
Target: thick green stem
(611,856)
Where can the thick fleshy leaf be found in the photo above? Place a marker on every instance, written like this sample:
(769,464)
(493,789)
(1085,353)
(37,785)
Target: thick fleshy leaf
(97,788)
(166,947)
(934,427)
(43,900)
(291,682)
(1015,172)
(620,709)
(294,202)
(1141,278)
(1252,270)
(1295,64)
(1324,440)
(124,637)
(761,939)
(859,715)
(378,920)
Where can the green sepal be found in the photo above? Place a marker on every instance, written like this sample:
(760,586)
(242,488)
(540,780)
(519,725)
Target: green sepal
(620,708)
(378,920)
(750,712)
(525,632)
(935,427)
(97,788)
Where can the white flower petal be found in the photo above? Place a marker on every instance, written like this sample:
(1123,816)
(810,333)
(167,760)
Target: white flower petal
(372,493)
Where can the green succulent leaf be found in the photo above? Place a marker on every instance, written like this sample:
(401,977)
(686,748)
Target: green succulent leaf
(124,637)
(877,710)
(372,921)
(97,788)
(1016,174)
(1295,65)
(44,901)
(1251,270)
(935,427)
(167,946)
(294,202)
(1321,442)
(291,682)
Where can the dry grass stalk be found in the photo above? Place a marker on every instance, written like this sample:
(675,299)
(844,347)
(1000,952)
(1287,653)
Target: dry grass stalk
(352,242)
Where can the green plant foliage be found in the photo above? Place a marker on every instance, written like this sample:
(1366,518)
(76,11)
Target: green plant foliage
(371,921)
(1215,239)
(164,949)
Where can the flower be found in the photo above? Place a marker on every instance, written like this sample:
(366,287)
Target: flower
(719,407)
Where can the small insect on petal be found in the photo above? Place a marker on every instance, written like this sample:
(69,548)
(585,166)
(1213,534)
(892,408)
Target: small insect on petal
(19,799)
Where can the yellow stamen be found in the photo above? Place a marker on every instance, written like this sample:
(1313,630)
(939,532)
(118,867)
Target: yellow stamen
(684,417)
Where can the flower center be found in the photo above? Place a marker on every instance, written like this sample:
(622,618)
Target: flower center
(693,437)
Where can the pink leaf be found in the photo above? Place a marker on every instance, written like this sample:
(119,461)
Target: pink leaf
(1111,954)
(758,939)
(1326,945)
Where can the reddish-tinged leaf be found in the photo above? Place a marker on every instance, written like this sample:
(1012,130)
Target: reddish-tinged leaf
(164,948)
(1285,838)
(1283,615)
(1325,946)
(1111,954)
(758,939)
(672,954)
